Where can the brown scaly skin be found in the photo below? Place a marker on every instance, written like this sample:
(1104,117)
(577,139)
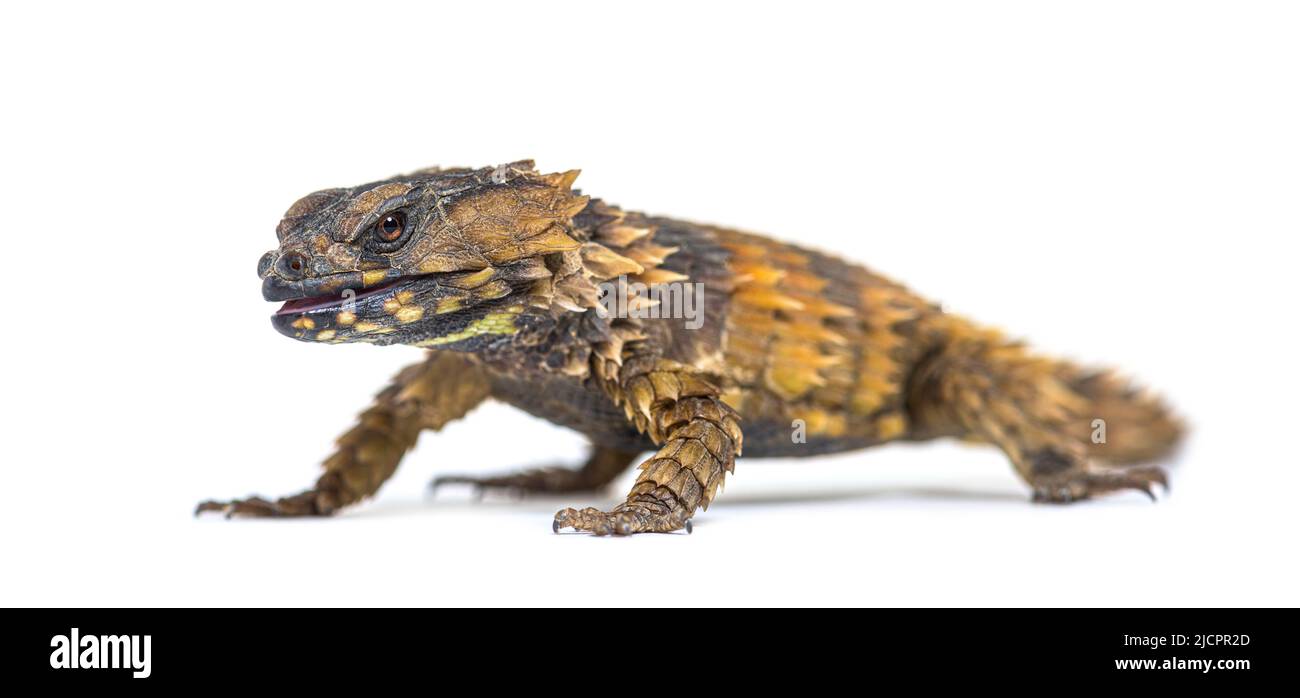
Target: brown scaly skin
(496,271)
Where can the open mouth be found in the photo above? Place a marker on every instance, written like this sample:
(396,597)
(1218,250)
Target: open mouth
(335,300)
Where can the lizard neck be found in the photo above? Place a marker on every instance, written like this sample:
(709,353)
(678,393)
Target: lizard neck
(570,325)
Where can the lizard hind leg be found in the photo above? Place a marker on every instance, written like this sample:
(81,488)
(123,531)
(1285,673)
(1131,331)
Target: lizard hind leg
(601,468)
(980,387)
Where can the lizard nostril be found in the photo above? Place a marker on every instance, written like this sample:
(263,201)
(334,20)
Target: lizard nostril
(264,264)
(292,265)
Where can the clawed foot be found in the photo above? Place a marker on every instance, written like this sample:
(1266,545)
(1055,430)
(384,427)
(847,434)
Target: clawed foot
(1076,486)
(306,504)
(620,522)
(550,480)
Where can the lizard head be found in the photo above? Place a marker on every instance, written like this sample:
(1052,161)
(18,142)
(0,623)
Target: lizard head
(445,258)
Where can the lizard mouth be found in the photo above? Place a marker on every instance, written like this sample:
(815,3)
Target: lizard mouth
(326,292)
(334,301)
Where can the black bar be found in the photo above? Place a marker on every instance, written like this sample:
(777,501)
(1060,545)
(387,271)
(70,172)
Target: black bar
(562,650)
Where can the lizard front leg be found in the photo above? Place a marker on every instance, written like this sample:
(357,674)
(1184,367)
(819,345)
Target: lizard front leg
(427,395)
(699,438)
(601,468)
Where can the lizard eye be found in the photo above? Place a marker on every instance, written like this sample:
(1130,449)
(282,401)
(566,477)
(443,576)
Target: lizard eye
(390,227)
(389,233)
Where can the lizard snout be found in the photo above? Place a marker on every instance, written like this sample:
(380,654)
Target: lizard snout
(264,264)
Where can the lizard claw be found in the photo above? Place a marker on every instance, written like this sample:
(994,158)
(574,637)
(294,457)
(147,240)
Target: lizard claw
(1077,486)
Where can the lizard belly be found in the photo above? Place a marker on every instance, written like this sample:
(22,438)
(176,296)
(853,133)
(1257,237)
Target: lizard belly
(578,405)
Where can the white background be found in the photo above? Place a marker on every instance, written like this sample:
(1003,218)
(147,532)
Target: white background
(1116,181)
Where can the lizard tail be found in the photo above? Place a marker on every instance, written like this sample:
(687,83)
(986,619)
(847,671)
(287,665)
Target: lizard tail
(1129,425)
(981,385)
